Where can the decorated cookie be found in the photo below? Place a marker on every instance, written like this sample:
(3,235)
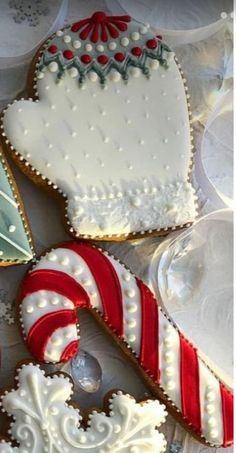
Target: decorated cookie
(78,275)
(15,240)
(45,422)
(108,127)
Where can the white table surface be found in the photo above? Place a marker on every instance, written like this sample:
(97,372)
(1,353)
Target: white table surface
(206,64)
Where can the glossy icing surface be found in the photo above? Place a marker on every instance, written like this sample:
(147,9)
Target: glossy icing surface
(15,242)
(78,274)
(45,422)
(121,151)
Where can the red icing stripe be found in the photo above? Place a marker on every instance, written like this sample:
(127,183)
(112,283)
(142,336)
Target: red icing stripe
(43,329)
(106,280)
(228,415)
(149,351)
(189,381)
(52,280)
(69,351)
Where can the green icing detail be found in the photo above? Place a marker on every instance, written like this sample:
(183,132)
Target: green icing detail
(14,241)
(103,71)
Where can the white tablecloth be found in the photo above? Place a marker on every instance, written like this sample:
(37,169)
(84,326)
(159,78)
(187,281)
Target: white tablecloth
(206,59)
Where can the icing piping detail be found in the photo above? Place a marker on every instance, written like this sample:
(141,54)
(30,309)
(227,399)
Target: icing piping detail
(44,421)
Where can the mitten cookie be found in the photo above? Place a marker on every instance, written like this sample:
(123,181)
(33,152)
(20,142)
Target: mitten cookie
(108,128)
(15,239)
(45,422)
(78,275)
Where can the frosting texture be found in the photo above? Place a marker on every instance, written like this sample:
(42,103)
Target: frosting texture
(15,241)
(45,422)
(78,275)
(119,153)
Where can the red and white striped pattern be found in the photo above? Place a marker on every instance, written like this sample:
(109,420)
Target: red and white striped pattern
(78,275)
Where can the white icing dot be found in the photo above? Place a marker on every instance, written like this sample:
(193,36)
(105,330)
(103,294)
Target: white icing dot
(112,45)
(88,47)
(73,72)
(74,134)
(124,41)
(135,72)
(170,385)
(164,93)
(77,270)
(165,140)
(130,167)
(130,292)
(93,76)
(177,133)
(12,228)
(67,38)
(76,44)
(1,252)
(26,131)
(143,30)
(141,141)
(169,356)
(115,76)
(131,337)
(48,165)
(40,75)
(154,64)
(169,371)
(136,201)
(211,422)
(55,300)
(52,256)
(210,396)
(116,429)
(106,139)
(135,36)
(41,303)
(147,115)
(53,66)
(20,110)
(128,121)
(59,33)
(29,309)
(50,145)
(126,276)
(210,408)
(100,48)
(74,108)
(131,308)
(131,323)
(168,118)
(213,433)
(224,15)
(66,157)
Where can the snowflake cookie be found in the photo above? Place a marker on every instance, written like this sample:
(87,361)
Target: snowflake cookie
(108,127)
(78,275)
(45,422)
(15,239)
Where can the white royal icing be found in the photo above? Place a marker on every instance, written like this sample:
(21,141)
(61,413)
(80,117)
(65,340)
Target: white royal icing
(132,314)
(44,422)
(58,342)
(169,356)
(121,155)
(41,303)
(69,262)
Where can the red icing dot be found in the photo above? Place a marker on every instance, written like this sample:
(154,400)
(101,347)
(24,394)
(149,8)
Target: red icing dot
(137,51)
(151,44)
(86,59)
(68,54)
(102,59)
(53,49)
(119,56)
(98,17)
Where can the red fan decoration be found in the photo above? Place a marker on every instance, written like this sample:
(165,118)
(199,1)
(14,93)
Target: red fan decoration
(101,27)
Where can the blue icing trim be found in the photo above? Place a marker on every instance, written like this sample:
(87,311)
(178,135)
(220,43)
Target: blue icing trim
(92,46)
(15,243)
